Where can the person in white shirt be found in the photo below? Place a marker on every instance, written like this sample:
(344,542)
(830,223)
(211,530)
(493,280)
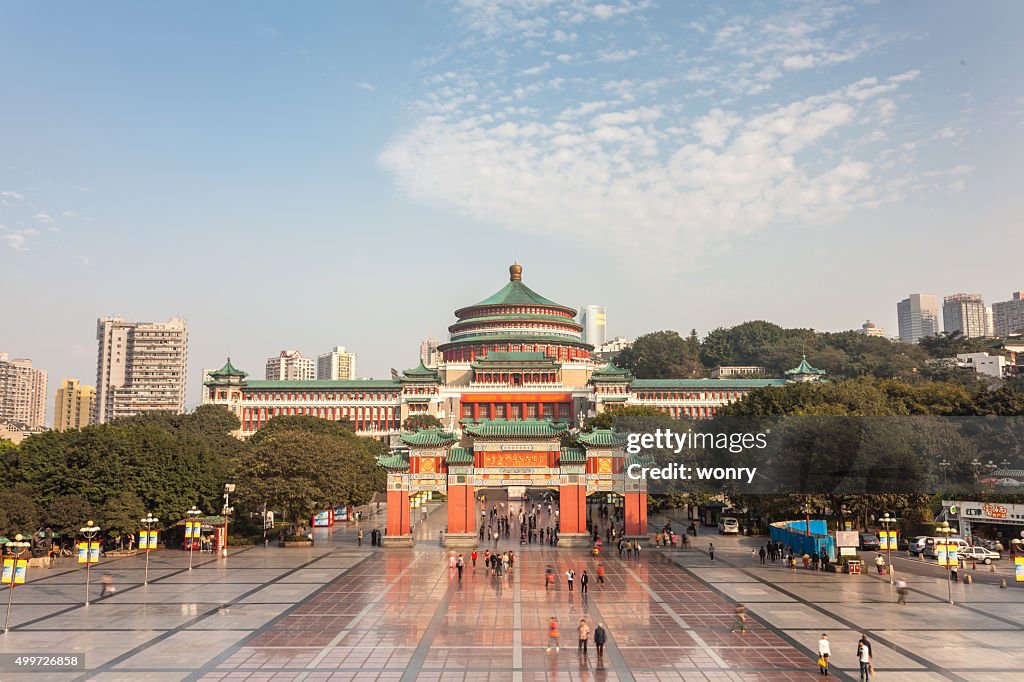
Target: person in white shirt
(824,651)
(864,658)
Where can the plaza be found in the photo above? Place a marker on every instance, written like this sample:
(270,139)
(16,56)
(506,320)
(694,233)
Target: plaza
(337,611)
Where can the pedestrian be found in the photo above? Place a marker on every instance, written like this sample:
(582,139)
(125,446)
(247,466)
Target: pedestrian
(495,539)
(359,537)
(553,635)
(600,637)
(901,591)
(753,554)
(472,557)
(740,625)
(584,581)
(824,651)
(570,575)
(636,550)
(600,574)
(761,553)
(108,585)
(711,550)
(549,578)
(864,658)
(459,565)
(584,631)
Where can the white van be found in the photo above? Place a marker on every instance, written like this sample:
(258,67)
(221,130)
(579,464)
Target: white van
(728,526)
(929,545)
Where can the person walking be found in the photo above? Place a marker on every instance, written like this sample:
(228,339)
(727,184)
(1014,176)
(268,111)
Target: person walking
(359,537)
(584,581)
(901,591)
(711,550)
(584,631)
(108,585)
(600,637)
(761,553)
(553,635)
(460,564)
(600,574)
(549,578)
(824,651)
(570,575)
(740,625)
(864,658)
(472,557)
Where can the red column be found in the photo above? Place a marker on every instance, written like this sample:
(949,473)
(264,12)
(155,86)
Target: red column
(572,507)
(461,513)
(635,506)
(398,512)
(476,411)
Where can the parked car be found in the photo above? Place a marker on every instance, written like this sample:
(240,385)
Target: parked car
(869,541)
(728,526)
(916,544)
(985,556)
(929,548)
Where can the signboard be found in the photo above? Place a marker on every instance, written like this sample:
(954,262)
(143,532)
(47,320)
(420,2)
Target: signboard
(514,459)
(193,529)
(847,538)
(94,552)
(341,513)
(1018,565)
(887,539)
(8,574)
(14,571)
(985,511)
(88,552)
(324,518)
(847,551)
(947,554)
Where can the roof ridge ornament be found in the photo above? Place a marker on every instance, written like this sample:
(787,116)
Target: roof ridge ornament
(515,272)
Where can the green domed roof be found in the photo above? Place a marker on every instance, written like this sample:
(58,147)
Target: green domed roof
(515,293)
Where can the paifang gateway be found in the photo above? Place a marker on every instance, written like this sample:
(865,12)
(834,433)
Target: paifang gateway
(514,376)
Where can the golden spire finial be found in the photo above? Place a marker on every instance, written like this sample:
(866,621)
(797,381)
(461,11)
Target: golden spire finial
(515,272)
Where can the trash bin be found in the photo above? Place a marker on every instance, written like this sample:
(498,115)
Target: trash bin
(853,566)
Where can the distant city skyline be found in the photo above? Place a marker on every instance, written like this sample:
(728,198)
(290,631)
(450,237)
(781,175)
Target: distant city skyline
(303,175)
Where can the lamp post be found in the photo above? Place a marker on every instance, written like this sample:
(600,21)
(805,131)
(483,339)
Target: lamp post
(944,465)
(18,546)
(946,531)
(193,514)
(90,531)
(149,522)
(228,489)
(887,521)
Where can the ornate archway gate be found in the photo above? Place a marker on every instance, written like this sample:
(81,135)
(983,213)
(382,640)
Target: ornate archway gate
(504,454)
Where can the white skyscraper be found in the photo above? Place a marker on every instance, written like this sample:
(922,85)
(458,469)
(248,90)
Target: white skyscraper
(22,393)
(965,313)
(428,353)
(291,365)
(1008,316)
(335,365)
(593,318)
(918,317)
(140,367)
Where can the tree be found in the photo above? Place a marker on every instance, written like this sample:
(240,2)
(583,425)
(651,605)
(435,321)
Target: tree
(121,514)
(421,421)
(951,344)
(306,423)
(301,472)
(660,355)
(18,513)
(67,513)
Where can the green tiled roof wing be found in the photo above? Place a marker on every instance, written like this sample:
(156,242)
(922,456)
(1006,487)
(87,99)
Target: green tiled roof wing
(572,456)
(428,437)
(517,293)
(420,372)
(460,456)
(229,370)
(704,383)
(393,461)
(804,368)
(336,384)
(603,437)
(516,429)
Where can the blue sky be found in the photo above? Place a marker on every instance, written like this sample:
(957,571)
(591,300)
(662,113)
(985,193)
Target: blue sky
(315,174)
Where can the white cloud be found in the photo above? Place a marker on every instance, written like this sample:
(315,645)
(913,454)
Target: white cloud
(12,195)
(15,240)
(84,260)
(564,58)
(43,217)
(369,87)
(535,70)
(616,55)
(563,37)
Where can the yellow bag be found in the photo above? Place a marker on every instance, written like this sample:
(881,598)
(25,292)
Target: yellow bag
(822,662)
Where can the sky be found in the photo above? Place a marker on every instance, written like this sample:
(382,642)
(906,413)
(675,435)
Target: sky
(305,175)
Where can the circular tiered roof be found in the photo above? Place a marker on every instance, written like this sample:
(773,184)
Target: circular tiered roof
(517,318)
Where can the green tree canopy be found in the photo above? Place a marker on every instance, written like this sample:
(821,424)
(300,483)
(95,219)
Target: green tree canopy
(306,423)
(421,421)
(67,513)
(18,513)
(661,355)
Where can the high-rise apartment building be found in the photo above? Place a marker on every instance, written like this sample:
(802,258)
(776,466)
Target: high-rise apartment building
(22,393)
(336,365)
(73,405)
(1008,316)
(918,317)
(595,330)
(965,313)
(428,353)
(140,367)
(291,365)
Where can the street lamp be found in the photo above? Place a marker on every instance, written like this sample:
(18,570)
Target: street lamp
(944,465)
(228,489)
(149,521)
(193,514)
(946,531)
(90,531)
(887,520)
(18,546)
